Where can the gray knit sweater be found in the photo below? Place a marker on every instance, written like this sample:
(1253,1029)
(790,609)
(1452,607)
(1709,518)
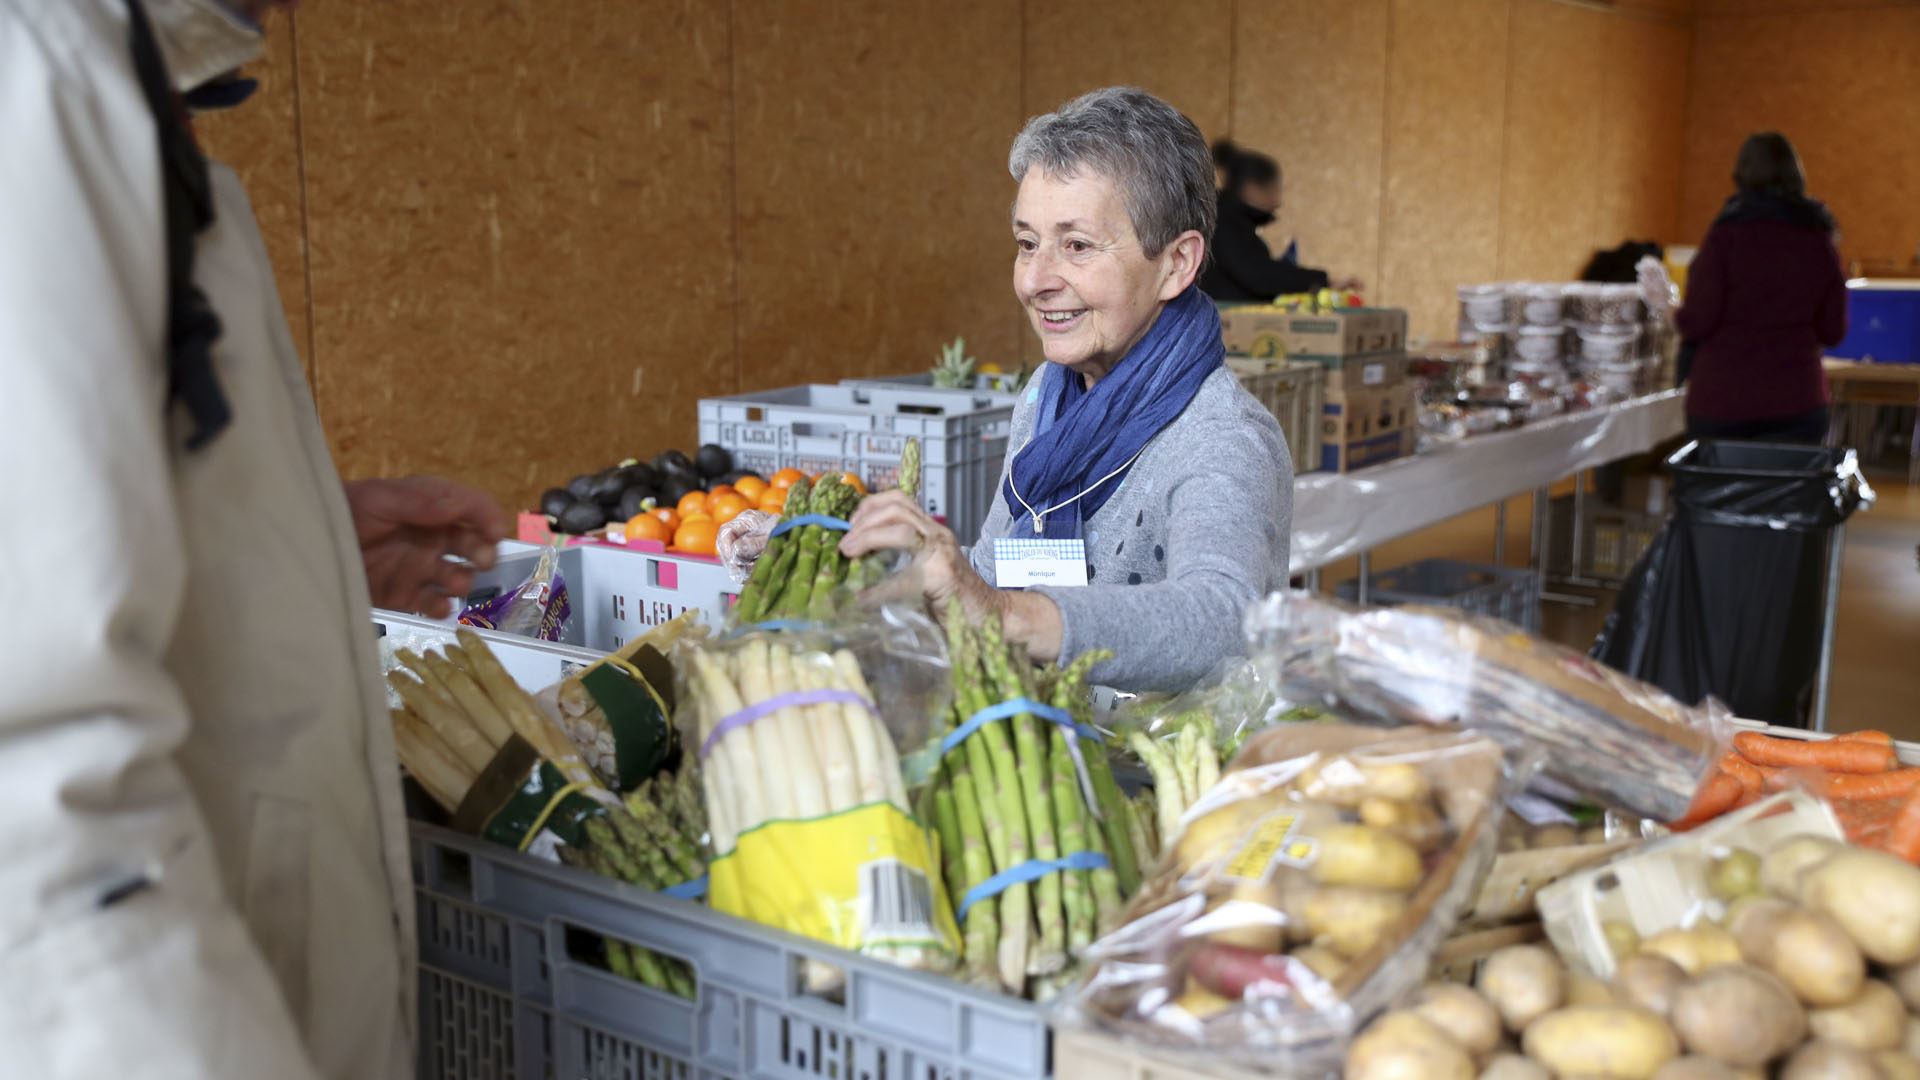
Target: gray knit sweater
(1197,531)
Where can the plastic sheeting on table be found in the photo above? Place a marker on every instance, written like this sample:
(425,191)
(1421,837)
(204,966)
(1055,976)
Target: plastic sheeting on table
(1339,515)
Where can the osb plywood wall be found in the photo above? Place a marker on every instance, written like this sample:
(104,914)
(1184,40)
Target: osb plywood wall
(519,240)
(1839,80)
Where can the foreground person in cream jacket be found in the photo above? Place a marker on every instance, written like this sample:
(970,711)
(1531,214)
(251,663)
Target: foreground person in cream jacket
(203,867)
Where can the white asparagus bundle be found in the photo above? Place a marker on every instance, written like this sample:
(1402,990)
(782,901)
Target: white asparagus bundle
(798,762)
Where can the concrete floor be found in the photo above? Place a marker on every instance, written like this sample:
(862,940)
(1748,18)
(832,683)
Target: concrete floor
(1877,656)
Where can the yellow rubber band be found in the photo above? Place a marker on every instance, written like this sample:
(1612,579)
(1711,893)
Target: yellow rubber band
(626,665)
(547,812)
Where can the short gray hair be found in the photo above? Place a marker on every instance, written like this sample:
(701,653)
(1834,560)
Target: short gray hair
(1156,156)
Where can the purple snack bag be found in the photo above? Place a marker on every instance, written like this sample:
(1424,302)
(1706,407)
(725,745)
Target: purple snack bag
(538,608)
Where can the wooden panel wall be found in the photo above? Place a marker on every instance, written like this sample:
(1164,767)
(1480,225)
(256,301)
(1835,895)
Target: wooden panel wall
(1839,80)
(530,237)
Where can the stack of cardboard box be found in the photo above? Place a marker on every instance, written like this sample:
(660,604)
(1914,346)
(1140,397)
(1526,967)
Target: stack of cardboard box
(1369,416)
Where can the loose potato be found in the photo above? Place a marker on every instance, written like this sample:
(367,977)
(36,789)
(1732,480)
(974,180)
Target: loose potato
(1874,896)
(1906,982)
(1365,856)
(1514,1067)
(1650,981)
(1523,982)
(1465,1016)
(1619,1041)
(1897,1065)
(1754,922)
(1695,950)
(1875,1020)
(1695,1067)
(1323,961)
(1352,920)
(1737,873)
(1738,1014)
(1780,870)
(1202,1003)
(1816,958)
(1587,990)
(1829,1061)
(1402,1046)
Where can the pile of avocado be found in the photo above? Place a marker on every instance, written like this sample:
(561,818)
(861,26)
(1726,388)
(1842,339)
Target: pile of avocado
(623,491)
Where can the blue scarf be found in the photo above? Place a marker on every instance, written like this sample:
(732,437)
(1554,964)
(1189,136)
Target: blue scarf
(1082,435)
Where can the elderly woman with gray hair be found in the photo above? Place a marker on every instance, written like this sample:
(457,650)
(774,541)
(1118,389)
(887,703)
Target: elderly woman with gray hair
(1136,462)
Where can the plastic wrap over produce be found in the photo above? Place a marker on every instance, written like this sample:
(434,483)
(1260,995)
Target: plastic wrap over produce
(1621,742)
(798,733)
(1307,890)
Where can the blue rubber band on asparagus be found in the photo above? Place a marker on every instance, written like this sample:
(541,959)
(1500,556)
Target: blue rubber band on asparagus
(688,890)
(1014,708)
(822,520)
(1031,870)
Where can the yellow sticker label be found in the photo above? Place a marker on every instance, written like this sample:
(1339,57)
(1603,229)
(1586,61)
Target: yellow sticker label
(1270,843)
(860,878)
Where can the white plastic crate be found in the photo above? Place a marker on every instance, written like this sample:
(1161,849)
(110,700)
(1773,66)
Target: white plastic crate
(1293,391)
(503,996)
(863,429)
(533,664)
(618,593)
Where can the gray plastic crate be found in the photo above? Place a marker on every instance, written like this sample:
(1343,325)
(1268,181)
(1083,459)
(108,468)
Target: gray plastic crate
(619,593)
(1004,383)
(1293,391)
(1501,592)
(502,997)
(863,429)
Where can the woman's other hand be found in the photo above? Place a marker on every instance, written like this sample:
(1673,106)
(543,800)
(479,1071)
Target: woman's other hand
(408,528)
(890,521)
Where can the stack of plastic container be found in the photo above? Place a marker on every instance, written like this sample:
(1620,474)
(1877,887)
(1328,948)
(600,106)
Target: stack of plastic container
(1489,315)
(1608,321)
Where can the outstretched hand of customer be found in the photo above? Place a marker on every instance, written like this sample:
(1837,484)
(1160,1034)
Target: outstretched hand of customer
(422,538)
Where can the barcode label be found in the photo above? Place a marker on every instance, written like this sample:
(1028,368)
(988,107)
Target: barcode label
(896,903)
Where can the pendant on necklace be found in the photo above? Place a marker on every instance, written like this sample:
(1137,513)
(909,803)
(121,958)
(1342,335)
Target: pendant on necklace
(1039,526)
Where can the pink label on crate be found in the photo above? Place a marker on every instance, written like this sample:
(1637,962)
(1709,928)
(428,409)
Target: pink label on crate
(669,574)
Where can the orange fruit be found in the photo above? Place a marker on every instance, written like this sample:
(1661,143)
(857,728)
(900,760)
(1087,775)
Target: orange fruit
(669,515)
(692,503)
(729,506)
(855,482)
(696,537)
(700,515)
(774,501)
(714,495)
(752,487)
(786,478)
(648,527)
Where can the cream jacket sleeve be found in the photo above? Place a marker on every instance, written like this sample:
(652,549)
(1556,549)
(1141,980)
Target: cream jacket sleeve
(119,953)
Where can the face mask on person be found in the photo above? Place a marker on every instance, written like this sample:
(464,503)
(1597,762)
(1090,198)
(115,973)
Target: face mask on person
(202,39)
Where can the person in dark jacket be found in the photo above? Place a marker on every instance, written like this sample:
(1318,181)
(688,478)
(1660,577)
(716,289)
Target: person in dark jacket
(1243,269)
(1765,294)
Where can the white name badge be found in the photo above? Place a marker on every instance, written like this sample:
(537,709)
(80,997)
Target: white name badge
(1023,563)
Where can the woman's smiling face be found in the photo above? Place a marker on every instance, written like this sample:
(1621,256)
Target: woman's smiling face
(1089,288)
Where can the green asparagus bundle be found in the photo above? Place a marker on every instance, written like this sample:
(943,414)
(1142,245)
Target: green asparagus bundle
(1184,759)
(1012,793)
(802,570)
(658,842)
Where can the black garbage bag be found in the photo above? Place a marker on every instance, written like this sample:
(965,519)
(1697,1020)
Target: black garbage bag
(1727,600)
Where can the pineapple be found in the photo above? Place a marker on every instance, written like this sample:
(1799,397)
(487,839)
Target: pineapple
(955,369)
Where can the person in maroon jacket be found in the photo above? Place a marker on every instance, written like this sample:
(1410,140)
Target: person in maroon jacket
(1765,294)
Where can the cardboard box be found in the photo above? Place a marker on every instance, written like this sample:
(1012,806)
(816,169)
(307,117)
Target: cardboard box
(1370,370)
(1367,426)
(1262,330)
